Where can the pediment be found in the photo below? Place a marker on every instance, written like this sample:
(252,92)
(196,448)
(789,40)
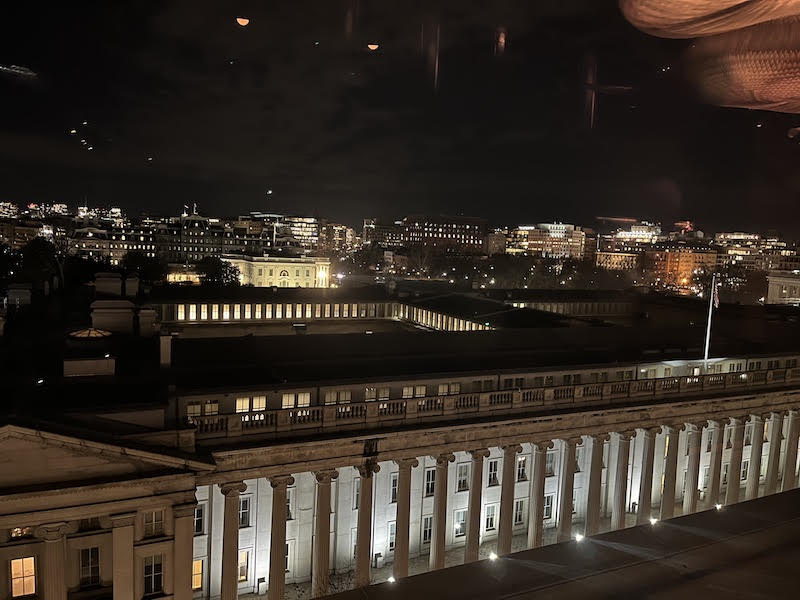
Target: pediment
(32,458)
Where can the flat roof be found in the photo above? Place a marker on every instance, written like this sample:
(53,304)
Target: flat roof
(200,293)
(746,550)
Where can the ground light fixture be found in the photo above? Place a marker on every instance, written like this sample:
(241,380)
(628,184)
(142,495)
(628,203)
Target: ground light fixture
(718,506)
(653,520)
(391,579)
(579,537)
(492,556)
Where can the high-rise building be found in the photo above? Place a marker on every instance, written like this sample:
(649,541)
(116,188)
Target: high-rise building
(305,230)
(551,240)
(383,235)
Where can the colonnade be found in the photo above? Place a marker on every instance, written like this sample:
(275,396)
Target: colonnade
(593,442)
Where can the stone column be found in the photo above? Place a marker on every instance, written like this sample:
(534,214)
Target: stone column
(400,567)
(277,537)
(322,534)
(595,482)
(473,540)
(506,528)
(566,484)
(790,457)
(122,554)
(183,550)
(670,471)
(230,539)
(735,466)
(717,433)
(644,506)
(694,433)
(436,558)
(364,534)
(536,498)
(775,437)
(53,579)
(621,480)
(756,447)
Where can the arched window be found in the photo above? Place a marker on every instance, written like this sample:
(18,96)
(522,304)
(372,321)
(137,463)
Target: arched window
(284,273)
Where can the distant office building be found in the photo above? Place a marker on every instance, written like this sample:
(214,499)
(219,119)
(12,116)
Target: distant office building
(643,233)
(617,261)
(269,271)
(456,234)
(384,235)
(783,287)
(551,240)
(18,232)
(305,230)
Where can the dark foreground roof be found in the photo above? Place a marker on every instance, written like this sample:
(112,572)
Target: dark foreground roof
(746,550)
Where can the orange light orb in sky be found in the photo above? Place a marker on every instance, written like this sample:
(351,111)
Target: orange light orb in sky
(243,21)
(373,47)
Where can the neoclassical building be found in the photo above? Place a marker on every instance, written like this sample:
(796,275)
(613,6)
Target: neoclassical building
(243,466)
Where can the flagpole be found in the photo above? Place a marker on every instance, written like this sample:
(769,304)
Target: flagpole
(710,310)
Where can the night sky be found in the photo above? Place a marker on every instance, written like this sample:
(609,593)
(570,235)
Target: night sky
(296,103)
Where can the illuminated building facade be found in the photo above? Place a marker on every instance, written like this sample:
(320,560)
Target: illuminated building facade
(268,271)
(454,234)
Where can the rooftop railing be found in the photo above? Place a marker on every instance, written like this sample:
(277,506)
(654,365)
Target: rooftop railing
(395,412)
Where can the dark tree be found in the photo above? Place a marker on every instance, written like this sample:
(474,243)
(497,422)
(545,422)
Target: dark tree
(148,268)
(218,272)
(39,262)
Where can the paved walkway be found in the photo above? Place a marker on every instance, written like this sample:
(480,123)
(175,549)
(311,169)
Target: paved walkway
(340,582)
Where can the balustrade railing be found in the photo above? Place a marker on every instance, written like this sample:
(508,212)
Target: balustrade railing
(392,411)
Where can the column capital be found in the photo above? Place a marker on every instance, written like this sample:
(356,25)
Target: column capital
(184,510)
(326,476)
(407,463)
(696,425)
(543,445)
(673,428)
(599,437)
(718,422)
(755,418)
(233,488)
(511,449)
(739,418)
(281,481)
(626,434)
(443,459)
(123,519)
(54,532)
(479,453)
(649,431)
(572,441)
(778,413)
(367,469)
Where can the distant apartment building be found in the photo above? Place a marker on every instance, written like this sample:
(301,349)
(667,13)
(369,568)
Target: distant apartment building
(783,287)
(550,240)
(674,264)
(617,261)
(8,210)
(451,234)
(496,242)
(269,271)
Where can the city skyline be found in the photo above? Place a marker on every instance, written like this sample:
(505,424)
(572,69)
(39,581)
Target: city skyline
(201,109)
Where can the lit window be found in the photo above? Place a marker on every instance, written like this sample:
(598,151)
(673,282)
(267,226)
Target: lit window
(244,564)
(460,523)
(215,312)
(192,312)
(408,391)
(370,393)
(247,311)
(181,312)
(204,311)
(153,523)
(90,566)
(287,401)
(522,468)
(23,576)
(197,574)
(304,399)
(393,482)
(420,391)
(153,574)
(226,312)
(547,513)
(237,311)
(244,511)
(268,311)
(242,405)
(259,403)
(257,311)
(550,464)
